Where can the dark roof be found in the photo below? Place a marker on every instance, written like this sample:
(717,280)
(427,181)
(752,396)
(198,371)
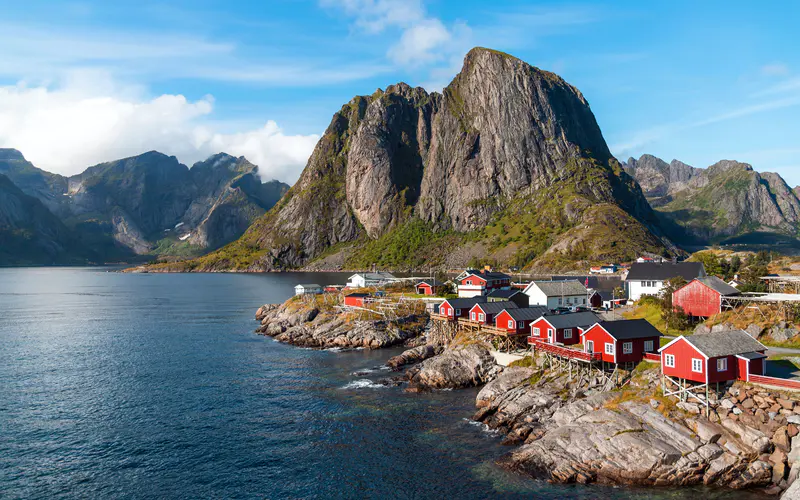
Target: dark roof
(572,320)
(464,303)
(490,275)
(725,343)
(608,295)
(664,271)
(505,294)
(556,288)
(496,307)
(308,285)
(718,285)
(625,329)
(357,295)
(752,355)
(433,282)
(527,313)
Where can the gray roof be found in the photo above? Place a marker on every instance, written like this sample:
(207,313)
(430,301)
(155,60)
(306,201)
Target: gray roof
(625,329)
(725,343)
(432,282)
(496,307)
(718,285)
(664,271)
(527,313)
(583,319)
(609,295)
(464,302)
(309,285)
(752,355)
(557,288)
(506,294)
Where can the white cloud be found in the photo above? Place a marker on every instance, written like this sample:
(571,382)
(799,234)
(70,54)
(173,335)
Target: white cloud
(69,128)
(775,69)
(374,16)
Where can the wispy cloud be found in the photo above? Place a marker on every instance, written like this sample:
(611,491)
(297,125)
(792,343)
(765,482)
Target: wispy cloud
(775,69)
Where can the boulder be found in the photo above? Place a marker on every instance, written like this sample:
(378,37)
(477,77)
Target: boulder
(793,492)
(413,356)
(702,328)
(753,330)
(758,473)
(511,377)
(463,366)
(722,327)
(689,407)
(794,452)
(781,439)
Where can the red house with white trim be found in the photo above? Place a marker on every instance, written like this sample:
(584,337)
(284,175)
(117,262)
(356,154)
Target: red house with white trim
(355,299)
(714,357)
(474,283)
(702,297)
(458,308)
(622,341)
(429,287)
(561,328)
(518,321)
(485,312)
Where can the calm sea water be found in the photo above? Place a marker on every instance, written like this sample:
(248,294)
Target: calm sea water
(142,386)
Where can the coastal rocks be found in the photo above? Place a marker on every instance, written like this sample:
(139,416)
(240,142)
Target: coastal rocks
(462,366)
(413,356)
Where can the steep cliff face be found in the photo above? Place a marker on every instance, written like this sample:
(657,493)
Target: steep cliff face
(728,199)
(151,203)
(504,143)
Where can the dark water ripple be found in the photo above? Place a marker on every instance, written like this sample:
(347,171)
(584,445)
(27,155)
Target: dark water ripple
(154,386)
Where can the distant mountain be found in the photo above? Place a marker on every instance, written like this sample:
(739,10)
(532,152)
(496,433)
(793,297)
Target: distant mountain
(507,165)
(30,234)
(151,204)
(726,202)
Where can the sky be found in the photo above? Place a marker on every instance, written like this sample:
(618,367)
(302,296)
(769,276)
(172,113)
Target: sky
(90,81)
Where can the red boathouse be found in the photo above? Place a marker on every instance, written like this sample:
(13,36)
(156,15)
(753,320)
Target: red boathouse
(485,312)
(702,297)
(458,308)
(429,287)
(562,328)
(622,341)
(355,299)
(517,320)
(714,357)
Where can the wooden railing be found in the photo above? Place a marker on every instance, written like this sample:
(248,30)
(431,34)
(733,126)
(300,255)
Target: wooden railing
(651,356)
(566,351)
(774,381)
(441,317)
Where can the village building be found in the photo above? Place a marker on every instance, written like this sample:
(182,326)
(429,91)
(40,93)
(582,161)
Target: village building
(622,341)
(474,283)
(714,357)
(517,320)
(514,295)
(429,287)
(607,269)
(735,282)
(561,328)
(556,294)
(307,289)
(355,299)
(605,299)
(366,280)
(458,308)
(333,288)
(702,297)
(485,312)
(649,278)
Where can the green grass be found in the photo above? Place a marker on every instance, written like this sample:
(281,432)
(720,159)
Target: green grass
(652,313)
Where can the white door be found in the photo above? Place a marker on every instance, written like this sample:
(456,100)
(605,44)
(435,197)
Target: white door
(550,335)
(590,346)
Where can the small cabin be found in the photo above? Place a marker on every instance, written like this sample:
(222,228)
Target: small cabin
(355,299)
(515,295)
(307,289)
(485,312)
(714,357)
(517,320)
(702,297)
(605,299)
(429,287)
(474,283)
(556,294)
(621,341)
(458,308)
(561,328)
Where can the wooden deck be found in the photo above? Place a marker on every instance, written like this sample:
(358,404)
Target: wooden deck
(566,352)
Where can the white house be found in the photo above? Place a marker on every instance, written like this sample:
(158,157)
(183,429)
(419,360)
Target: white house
(555,294)
(364,280)
(649,278)
(307,289)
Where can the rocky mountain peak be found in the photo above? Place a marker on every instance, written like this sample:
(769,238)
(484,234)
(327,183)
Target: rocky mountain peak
(10,154)
(728,165)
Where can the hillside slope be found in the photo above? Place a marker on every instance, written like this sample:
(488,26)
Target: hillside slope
(508,162)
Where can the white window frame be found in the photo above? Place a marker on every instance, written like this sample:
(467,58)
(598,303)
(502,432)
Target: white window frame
(722,364)
(473,316)
(536,332)
(590,346)
(648,346)
(669,360)
(511,323)
(559,301)
(481,317)
(522,324)
(609,348)
(627,348)
(697,363)
(567,333)
(458,312)
(468,282)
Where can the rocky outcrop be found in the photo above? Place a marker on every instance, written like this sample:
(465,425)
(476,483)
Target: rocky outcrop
(304,324)
(728,199)
(504,140)
(413,356)
(454,368)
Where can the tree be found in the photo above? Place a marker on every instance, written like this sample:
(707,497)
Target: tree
(673,317)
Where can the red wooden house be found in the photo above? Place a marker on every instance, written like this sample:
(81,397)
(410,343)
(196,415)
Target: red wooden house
(517,320)
(714,357)
(429,287)
(622,341)
(474,283)
(561,328)
(485,312)
(355,299)
(702,297)
(458,308)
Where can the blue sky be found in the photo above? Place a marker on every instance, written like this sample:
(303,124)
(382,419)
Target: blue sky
(83,82)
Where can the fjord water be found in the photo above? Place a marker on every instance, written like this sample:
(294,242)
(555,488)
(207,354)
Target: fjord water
(151,385)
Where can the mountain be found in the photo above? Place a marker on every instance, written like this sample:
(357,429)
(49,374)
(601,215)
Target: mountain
(30,233)
(151,204)
(507,163)
(726,202)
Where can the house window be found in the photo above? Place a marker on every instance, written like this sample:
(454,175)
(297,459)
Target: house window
(559,301)
(697,365)
(583,300)
(468,282)
(569,300)
(648,346)
(536,332)
(722,364)
(568,333)
(550,332)
(458,312)
(473,316)
(522,324)
(609,348)
(511,323)
(627,347)
(480,317)
(669,360)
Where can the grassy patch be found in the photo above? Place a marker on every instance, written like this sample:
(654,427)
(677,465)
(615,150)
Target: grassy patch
(652,313)
(526,362)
